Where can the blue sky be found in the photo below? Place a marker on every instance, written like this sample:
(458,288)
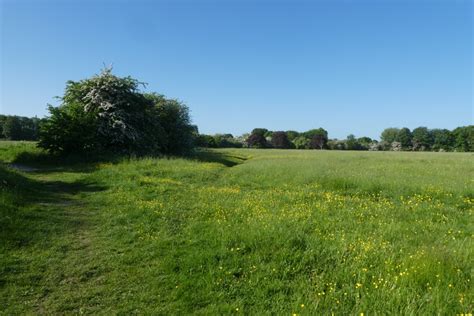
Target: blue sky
(348,66)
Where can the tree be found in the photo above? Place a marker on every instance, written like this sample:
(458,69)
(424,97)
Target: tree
(318,138)
(336,144)
(301,142)
(292,135)
(389,135)
(69,129)
(404,137)
(422,139)
(226,141)
(257,140)
(205,141)
(351,143)
(317,142)
(366,143)
(117,116)
(242,139)
(173,118)
(109,113)
(260,131)
(12,128)
(2,123)
(19,127)
(280,140)
(443,139)
(464,138)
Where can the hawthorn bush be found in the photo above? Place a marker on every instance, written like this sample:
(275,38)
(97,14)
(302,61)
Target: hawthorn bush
(109,113)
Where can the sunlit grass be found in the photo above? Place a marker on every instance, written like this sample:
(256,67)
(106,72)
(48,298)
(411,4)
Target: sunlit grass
(248,231)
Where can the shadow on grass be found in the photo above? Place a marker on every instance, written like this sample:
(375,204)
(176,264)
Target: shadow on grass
(228,160)
(47,163)
(35,212)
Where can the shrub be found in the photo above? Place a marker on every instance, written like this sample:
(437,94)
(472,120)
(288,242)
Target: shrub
(108,113)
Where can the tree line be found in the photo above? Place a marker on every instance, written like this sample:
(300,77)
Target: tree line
(393,139)
(14,127)
(106,113)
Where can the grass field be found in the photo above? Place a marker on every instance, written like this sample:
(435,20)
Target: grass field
(238,231)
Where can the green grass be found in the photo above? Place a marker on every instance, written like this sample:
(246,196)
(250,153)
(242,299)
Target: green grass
(240,231)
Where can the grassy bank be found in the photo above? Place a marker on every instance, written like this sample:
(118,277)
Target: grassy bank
(240,231)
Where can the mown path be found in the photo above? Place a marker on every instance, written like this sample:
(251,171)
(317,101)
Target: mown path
(52,256)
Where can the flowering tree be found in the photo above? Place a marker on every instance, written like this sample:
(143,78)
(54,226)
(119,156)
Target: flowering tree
(110,113)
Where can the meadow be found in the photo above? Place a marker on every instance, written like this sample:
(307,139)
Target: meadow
(239,231)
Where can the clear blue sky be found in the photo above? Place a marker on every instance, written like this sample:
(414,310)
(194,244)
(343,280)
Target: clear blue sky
(348,66)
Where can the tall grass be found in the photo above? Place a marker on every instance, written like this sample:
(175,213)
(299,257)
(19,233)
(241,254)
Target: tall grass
(250,231)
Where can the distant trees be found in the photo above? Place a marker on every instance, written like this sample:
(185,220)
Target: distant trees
(19,128)
(464,138)
(389,135)
(263,138)
(280,140)
(12,128)
(366,143)
(404,137)
(441,139)
(394,139)
(353,143)
(292,135)
(106,113)
(219,141)
(301,142)
(109,113)
(423,139)
(257,138)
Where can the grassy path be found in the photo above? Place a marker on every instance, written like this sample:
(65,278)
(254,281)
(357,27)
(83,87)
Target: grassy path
(52,233)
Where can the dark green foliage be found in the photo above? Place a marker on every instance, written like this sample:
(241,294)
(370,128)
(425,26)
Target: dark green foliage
(206,141)
(389,135)
(226,141)
(352,143)
(318,138)
(365,143)
(12,128)
(394,139)
(443,139)
(464,138)
(69,129)
(218,141)
(108,113)
(422,139)
(335,144)
(280,140)
(404,138)
(292,135)
(318,131)
(177,137)
(18,127)
(2,122)
(260,131)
